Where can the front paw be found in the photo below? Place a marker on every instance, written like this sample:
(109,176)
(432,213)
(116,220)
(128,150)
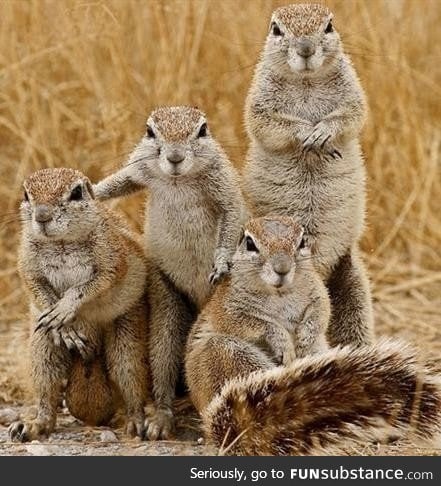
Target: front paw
(160,426)
(319,139)
(219,270)
(56,316)
(284,355)
(74,341)
(22,431)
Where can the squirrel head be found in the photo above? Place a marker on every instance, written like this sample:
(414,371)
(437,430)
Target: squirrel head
(302,40)
(269,252)
(58,204)
(177,143)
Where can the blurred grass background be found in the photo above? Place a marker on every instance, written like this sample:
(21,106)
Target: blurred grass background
(78,79)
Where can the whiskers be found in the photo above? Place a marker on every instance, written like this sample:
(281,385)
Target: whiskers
(7,220)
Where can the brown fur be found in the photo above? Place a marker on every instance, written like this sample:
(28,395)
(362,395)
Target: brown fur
(255,319)
(304,114)
(192,224)
(86,275)
(317,399)
(303,18)
(90,396)
(338,399)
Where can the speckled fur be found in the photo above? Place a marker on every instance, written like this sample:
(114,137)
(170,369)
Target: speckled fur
(255,316)
(303,116)
(320,403)
(176,123)
(302,18)
(86,276)
(192,224)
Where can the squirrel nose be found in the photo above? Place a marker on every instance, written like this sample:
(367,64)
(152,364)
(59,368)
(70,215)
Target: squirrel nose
(43,213)
(305,48)
(281,264)
(175,156)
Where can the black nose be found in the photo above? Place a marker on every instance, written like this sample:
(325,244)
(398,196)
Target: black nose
(281,265)
(43,213)
(175,157)
(282,271)
(305,48)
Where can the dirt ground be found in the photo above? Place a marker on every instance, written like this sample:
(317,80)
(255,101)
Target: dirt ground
(74,439)
(402,313)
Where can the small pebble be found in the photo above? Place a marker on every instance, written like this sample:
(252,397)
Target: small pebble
(200,440)
(7,416)
(108,436)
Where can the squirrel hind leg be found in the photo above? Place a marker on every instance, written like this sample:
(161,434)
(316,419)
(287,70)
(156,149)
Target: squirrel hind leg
(216,359)
(351,320)
(50,366)
(126,357)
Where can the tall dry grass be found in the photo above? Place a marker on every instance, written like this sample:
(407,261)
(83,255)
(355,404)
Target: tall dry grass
(78,78)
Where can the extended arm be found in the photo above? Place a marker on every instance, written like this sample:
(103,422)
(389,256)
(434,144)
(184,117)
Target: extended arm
(129,179)
(229,199)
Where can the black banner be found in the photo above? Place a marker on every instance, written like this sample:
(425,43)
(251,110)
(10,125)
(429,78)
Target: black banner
(186,471)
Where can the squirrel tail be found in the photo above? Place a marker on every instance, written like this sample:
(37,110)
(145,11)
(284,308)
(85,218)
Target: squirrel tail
(343,397)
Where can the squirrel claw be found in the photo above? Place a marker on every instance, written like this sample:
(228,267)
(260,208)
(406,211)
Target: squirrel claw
(24,432)
(135,428)
(160,426)
(58,315)
(218,272)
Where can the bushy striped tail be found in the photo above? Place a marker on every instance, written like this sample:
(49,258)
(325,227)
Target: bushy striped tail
(339,398)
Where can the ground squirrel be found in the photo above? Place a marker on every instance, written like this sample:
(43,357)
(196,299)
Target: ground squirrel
(303,114)
(272,308)
(273,303)
(192,224)
(86,275)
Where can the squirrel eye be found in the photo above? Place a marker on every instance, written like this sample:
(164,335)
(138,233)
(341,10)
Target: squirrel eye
(26,196)
(203,130)
(76,194)
(276,29)
(302,243)
(150,132)
(329,28)
(251,246)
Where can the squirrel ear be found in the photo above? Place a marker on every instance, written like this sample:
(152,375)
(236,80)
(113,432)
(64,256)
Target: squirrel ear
(300,241)
(90,189)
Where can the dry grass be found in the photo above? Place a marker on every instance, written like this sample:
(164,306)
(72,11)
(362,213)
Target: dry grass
(78,79)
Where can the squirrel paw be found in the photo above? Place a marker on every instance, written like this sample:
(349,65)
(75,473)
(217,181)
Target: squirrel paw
(219,270)
(319,139)
(135,427)
(73,340)
(27,431)
(160,426)
(56,316)
(284,356)
(289,356)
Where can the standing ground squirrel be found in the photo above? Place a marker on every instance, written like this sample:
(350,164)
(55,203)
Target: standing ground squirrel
(303,114)
(86,275)
(193,219)
(272,308)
